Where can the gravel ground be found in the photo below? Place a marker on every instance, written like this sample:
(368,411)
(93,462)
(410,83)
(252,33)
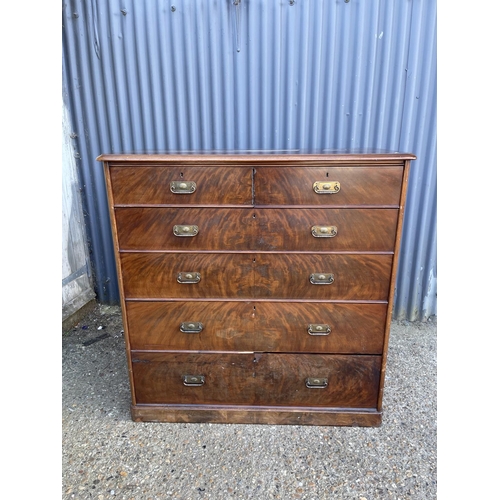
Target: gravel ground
(107,456)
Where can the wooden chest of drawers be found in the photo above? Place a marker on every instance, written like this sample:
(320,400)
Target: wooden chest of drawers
(257,288)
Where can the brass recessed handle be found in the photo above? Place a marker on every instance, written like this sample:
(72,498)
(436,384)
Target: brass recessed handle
(188,277)
(316,383)
(321,278)
(185,230)
(324,231)
(318,329)
(191,327)
(193,380)
(326,187)
(183,187)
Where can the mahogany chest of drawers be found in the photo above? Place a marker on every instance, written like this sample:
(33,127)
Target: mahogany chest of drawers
(257,288)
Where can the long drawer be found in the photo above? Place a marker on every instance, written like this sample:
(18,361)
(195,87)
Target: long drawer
(261,379)
(257,326)
(258,275)
(256,229)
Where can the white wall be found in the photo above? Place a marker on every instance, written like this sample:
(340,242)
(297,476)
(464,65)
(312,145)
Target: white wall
(77,288)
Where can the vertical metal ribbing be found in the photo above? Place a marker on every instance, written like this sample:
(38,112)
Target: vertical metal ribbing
(322,75)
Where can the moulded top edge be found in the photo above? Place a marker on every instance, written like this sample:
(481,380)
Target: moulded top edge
(243,156)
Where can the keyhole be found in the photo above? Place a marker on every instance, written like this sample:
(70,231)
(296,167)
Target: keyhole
(327,174)
(182,175)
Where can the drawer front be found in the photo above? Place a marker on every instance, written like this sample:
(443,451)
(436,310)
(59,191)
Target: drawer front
(156,275)
(263,276)
(337,276)
(262,379)
(256,229)
(317,380)
(320,327)
(185,228)
(151,185)
(327,230)
(191,326)
(359,186)
(257,326)
(159,378)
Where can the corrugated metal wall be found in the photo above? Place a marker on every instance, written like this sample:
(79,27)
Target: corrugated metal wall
(257,74)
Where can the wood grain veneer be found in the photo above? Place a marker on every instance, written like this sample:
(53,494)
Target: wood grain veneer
(265,344)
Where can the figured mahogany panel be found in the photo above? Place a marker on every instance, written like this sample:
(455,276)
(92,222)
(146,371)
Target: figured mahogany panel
(351,381)
(150,185)
(277,276)
(158,378)
(256,229)
(236,309)
(153,228)
(260,379)
(355,277)
(154,275)
(360,186)
(356,229)
(257,326)
(284,327)
(226,326)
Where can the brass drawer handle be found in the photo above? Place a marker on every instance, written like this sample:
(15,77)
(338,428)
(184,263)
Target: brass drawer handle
(326,187)
(188,277)
(316,383)
(324,231)
(183,187)
(193,380)
(185,230)
(191,327)
(317,329)
(321,278)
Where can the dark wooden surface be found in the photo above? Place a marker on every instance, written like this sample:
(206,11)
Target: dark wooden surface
(260,379)
(249,276)
(257,415)
(149,185)
(358,186)
(238,158)
(257,326)
(255,254)
(233,229)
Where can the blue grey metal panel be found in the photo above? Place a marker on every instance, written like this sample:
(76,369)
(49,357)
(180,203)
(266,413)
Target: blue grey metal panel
(262,74)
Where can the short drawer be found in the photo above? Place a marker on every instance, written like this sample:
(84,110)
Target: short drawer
(259,276)
(257,379)
(323,185)
(370,230)
(257,326)
(182,185)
